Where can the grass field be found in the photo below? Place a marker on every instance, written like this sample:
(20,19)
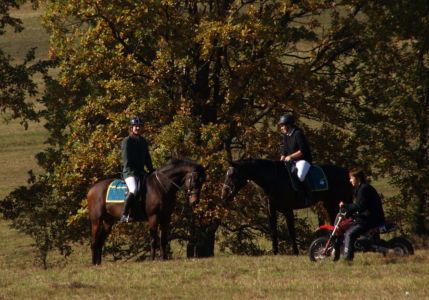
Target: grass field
(18,44)
(223,277)
(230,277)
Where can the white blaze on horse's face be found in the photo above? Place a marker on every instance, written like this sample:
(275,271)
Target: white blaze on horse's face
(194,183)
(229,185)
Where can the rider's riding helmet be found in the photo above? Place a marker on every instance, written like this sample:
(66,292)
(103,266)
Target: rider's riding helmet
(286,120)
(136,121)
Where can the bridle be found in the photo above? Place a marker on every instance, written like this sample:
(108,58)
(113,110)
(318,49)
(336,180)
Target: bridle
(192,179)
(192,189)
(230,188)
(239,177)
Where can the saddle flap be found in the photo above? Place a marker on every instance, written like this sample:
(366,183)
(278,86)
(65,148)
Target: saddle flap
(315,176)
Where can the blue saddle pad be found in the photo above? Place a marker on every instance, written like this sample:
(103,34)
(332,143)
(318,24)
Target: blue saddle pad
(316,176)
(116,191)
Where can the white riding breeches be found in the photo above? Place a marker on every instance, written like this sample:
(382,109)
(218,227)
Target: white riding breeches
(302,169)
(131,184)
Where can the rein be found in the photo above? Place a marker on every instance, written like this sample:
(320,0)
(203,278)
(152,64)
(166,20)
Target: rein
(227,186)
(188,192)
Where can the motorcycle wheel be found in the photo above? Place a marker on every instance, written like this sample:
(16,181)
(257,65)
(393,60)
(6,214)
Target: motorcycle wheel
(317,247)
(400,246)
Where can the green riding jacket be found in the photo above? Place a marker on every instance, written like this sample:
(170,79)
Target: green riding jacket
(135,156)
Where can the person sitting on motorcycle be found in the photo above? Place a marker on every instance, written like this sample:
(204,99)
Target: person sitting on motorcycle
(368,207)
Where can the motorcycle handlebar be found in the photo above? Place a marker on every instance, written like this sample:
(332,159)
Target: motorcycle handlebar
(343,210)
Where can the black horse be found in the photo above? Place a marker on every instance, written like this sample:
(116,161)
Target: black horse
(160,189)
(273,177)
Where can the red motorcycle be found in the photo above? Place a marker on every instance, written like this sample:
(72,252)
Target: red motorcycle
(330,244)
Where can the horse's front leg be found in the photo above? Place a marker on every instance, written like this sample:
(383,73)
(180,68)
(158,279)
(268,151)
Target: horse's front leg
(100,230)
(164,241)
(153,243)
(290,220)
(272,214)
(153,224)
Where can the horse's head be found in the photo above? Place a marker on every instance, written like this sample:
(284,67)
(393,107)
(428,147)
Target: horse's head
(193,183)
(234,181)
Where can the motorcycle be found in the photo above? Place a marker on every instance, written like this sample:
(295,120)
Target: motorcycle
(330,244)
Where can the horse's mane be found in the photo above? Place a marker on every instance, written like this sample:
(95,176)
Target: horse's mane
(257,162)
(183,162)
(255,165)
(258,167)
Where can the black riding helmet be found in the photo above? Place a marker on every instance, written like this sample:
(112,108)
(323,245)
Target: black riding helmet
(136,121)
(286,120)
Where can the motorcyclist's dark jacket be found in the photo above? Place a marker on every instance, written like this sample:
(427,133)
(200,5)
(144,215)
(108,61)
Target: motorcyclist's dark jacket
(368,205)
(135,156)
(294,141)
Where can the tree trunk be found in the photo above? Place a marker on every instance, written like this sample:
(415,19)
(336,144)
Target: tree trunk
(203,242)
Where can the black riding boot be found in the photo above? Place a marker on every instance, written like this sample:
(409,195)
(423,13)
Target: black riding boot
(126,210)
(348,255)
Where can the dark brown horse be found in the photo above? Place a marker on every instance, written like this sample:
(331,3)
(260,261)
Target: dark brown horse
(273,177)
(159,191)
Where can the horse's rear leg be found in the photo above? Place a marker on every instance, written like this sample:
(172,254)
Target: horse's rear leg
(96,248)
(99,232)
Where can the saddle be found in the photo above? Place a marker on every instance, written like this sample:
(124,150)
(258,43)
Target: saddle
(117,190)
(316,178)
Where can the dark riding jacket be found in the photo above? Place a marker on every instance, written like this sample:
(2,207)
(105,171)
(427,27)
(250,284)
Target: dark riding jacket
(368,205)
(135,156)
(294,141)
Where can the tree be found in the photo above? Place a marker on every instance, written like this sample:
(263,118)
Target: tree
(208,77)
(390,92)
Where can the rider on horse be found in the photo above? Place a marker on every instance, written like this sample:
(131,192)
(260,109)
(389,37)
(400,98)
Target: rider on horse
(296,149)
(135,156)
